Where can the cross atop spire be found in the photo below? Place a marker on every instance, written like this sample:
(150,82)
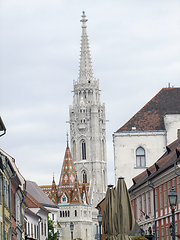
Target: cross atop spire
(83,20)
(85,71)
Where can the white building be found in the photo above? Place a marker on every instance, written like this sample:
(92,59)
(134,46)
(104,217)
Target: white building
(36,219)
(143,139)
(88,127)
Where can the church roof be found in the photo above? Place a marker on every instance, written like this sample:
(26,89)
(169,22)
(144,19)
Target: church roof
(151,116)
(68,182)
(165,162)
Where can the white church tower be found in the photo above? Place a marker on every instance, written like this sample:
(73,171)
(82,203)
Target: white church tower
(88,127)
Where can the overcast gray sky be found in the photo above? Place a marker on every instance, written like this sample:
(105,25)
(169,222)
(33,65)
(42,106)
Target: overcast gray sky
(135,49)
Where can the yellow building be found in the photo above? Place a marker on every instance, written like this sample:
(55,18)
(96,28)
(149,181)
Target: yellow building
(6,172)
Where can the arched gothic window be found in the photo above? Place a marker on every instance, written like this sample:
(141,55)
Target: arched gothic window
(103,151)
(140,157)
(74,150)
(83,145)
(84,177)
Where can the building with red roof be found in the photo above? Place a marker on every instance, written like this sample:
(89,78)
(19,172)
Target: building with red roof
(149,194)
(145,136)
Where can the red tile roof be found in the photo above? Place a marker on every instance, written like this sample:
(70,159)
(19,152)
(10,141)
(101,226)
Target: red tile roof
(163,163)
(32,202)
(150,117)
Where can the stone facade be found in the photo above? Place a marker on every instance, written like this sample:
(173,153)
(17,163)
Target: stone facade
(88,127)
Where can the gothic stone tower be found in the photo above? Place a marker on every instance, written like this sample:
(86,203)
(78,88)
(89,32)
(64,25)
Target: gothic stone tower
(88,126)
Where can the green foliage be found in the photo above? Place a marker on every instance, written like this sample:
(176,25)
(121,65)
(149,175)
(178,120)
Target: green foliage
(138,238)
(51,234)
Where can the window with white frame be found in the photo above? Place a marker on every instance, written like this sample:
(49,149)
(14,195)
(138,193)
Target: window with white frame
(140,157)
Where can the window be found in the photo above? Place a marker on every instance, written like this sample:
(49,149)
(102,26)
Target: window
(35,231)
(140,157)
(165,197)
(162,238)
(167,233)
(149,203)
(28,229)
(83,150)
(145,205)
(41,228)
(75,213)
(103,150)
(64,198)
(45,228)
(160,196)
(68,213)
(84,177)
(60,214)
(31,230)
(74,150)
(53,217)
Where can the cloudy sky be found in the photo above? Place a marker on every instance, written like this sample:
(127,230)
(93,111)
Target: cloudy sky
(135,49)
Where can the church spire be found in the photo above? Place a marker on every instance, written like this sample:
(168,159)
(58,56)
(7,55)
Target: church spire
(85,71)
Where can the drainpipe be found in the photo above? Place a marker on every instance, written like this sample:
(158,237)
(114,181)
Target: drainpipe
(154,202)
(175,171)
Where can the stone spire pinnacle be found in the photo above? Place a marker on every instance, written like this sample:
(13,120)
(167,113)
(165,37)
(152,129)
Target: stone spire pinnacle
(85,71)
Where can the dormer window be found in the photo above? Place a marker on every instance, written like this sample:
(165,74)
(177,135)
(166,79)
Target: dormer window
(64,198)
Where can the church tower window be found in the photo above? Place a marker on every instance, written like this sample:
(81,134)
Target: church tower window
(75,213)
(140,157)
(83,145)
(74,150)
(84,177)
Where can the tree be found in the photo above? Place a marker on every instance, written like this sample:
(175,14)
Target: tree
(51,234)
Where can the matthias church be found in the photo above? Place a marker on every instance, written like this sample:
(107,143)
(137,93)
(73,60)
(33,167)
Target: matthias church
(83,178)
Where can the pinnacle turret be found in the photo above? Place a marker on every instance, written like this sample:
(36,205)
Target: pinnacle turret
(85,71)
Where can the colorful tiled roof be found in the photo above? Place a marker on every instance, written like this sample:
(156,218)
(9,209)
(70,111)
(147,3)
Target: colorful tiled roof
(150,117)
(163,163)
(68,182)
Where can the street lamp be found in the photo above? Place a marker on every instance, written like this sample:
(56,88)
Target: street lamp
(99,217)
(71,228)
(172,201)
